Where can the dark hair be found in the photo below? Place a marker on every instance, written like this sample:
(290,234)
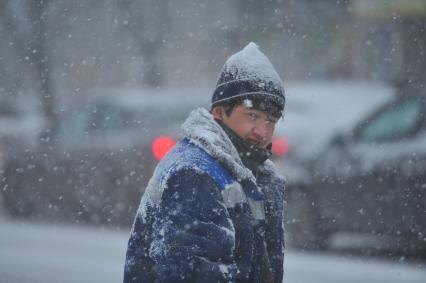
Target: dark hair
(267,106)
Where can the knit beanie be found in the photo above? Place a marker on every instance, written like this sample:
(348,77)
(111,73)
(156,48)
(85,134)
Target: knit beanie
(249,74)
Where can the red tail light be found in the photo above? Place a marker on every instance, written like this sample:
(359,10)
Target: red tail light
(280,146)
(161,146)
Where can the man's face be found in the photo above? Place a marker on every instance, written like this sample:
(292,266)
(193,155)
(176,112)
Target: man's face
(251,125)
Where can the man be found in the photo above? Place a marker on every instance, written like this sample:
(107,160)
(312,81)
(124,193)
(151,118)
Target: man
(213,210)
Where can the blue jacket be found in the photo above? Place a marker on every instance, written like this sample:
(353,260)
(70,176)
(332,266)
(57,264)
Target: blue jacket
(203,218)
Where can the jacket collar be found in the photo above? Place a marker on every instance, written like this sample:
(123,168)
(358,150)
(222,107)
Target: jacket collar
(201,128)
(251,155)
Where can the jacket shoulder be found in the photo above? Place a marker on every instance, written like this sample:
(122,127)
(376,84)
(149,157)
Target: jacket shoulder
(189,157)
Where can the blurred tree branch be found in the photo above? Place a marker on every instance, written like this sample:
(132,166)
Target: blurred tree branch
(26,23)
(149,24)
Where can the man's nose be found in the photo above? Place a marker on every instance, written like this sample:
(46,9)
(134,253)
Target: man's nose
(259,131)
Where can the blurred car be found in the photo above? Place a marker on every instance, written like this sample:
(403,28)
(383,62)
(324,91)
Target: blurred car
(310,118)
(369,181)
(101,155)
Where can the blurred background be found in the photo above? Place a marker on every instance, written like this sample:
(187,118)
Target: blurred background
(92,95)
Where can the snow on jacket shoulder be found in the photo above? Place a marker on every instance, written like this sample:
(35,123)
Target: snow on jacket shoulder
(185,234)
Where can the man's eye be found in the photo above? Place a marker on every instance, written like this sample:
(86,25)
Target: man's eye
(271,121)
(252,116)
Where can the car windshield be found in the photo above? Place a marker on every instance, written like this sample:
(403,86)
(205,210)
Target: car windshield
(397,122)
(94,120)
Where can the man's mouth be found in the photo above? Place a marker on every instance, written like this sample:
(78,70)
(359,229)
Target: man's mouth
(255,142)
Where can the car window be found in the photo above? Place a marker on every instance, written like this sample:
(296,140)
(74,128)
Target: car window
(74,125)
(94,120)
(393,123)
(109,117)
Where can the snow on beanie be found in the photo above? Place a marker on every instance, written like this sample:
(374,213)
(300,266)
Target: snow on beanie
(249,73)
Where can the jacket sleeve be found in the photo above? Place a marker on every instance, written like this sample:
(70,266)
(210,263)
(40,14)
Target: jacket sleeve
(274,190)
(194,236)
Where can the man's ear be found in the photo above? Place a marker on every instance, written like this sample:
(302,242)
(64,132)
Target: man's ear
(217,112)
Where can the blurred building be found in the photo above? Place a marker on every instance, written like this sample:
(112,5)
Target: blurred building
(386,41)
(72,47)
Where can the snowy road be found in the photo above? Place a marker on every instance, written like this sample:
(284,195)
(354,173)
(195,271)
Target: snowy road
(39,253)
